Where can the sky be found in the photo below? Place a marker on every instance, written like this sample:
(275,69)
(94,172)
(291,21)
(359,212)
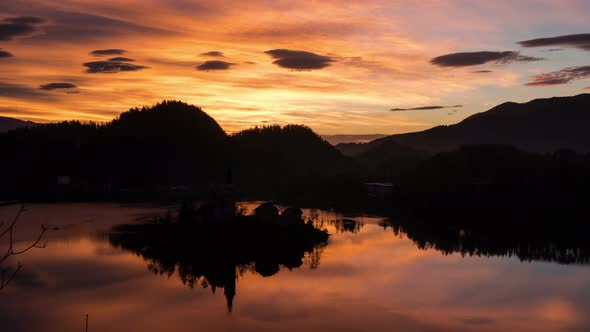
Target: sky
(338,66)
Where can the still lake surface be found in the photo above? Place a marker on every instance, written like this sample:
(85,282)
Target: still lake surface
(366,279)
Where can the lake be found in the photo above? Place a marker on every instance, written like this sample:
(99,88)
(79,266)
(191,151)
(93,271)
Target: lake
(367,278)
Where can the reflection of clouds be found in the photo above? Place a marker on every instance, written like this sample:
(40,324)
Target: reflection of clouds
(371,281)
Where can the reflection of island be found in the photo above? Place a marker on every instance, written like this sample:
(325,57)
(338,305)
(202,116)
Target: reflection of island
(528,242)
(215,254)
(346,225)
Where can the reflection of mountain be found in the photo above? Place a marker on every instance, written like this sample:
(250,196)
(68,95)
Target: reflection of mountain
(541,125)
(535,242)
(215,255)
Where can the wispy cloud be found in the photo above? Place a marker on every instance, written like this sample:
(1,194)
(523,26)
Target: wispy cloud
(13,27)
(111,67)
(581,41)
(213,54)
(110,51)
(56,86)
(299,60)
(464,59)
(122,59)
(215,65)
(562,76)
(20,91)
(423,108)
(5,54)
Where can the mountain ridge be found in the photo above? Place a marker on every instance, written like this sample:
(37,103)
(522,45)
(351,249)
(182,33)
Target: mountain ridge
(540,125)
(8,123)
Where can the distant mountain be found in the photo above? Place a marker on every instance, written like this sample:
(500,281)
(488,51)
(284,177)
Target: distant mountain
(541,125)
(337,139)
(7,124)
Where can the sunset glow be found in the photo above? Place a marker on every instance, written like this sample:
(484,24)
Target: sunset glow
(348,62)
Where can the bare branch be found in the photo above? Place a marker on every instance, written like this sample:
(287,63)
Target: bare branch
(34,244)
(9,229)
(4,278)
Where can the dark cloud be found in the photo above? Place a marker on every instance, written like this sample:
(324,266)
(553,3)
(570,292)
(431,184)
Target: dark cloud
(563,76)
(18,26)
(19,91)
(55,86)
(4,54)
(581,41)
(122,59)
(482,71)
(214,65)
(111,67)
(213,54)
(299,60)
(24,20)
(69,27)
(423,108)
(110,51)
(479,58)
(554,49)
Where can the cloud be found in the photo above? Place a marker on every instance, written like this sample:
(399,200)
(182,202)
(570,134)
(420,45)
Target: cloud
(111,67)
(423,108)
(587,88)
(479,58)
(110,51)
(19,91)
(55,86)
(554,49)
(18,26)
(78,26)
(581,41)
(214,65)
(563,76)
(213,54)
(122,59)
(4,54)
(24,20)
(482,71)
(299,60)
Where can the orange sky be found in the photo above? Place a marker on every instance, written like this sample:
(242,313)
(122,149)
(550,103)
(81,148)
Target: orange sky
(378,57)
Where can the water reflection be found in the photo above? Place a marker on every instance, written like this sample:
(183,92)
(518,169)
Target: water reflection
(367,281)
(215,257)
(536,242)
(346,225)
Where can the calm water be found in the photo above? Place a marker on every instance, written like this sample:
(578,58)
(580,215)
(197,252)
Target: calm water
(366,279)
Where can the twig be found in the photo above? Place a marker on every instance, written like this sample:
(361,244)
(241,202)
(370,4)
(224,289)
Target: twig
(4,279)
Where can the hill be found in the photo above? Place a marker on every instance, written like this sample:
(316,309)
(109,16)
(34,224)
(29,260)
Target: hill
(292,149)
(341,138)
(541,125)
(7,124)
(293,162)
(153,149)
